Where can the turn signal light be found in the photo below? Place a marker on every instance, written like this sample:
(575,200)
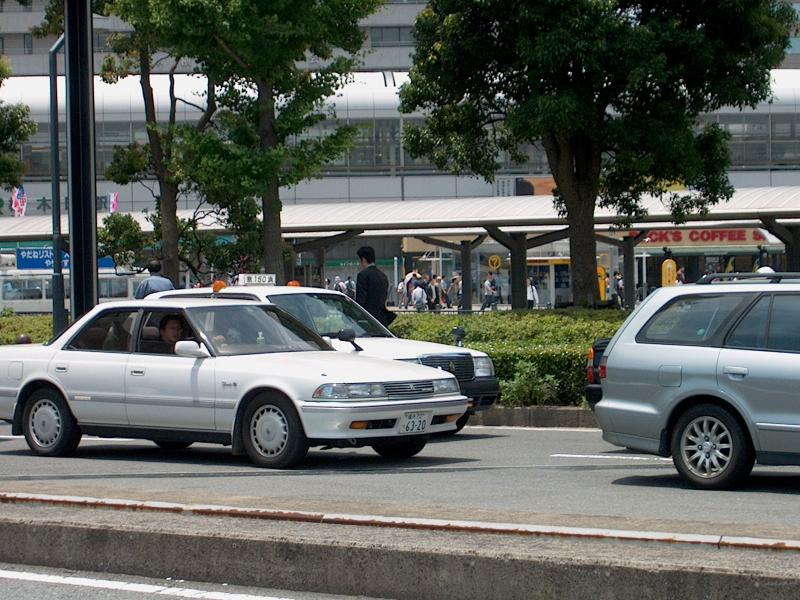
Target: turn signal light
(451,418)
(590,367)
(359,424)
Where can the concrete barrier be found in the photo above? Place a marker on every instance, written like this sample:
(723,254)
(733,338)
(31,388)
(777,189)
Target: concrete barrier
(535,416)
(383,562)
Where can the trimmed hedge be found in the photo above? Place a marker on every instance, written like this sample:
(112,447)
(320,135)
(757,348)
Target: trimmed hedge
(39,328)
(539,356)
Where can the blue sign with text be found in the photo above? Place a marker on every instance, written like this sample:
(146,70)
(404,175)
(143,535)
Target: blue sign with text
(42,259)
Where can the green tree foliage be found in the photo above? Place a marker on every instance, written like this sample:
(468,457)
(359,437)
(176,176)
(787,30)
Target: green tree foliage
(121,237)
(610,88)
(268,103)
(16,127)
(135,53)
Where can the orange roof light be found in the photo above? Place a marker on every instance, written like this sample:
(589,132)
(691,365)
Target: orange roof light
(218,285)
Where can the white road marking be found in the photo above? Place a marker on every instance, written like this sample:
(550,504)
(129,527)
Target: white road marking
(613,457)
(573,429)
(123,586)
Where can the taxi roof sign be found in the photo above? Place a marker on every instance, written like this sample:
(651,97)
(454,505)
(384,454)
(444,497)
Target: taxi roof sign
(256,279)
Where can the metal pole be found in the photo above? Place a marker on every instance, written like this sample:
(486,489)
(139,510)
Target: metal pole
(80,136)
(59,312)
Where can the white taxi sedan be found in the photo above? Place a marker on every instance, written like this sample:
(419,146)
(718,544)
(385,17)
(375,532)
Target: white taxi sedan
(228,372)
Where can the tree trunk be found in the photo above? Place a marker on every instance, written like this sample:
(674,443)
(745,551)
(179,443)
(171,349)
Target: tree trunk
(575,164)
(168,191)
(270,201)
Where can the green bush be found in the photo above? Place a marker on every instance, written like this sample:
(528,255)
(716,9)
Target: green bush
(38,327)
(543,343)
(539,356)
(529,387)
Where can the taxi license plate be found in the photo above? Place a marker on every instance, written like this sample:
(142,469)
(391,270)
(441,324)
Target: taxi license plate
(414,422)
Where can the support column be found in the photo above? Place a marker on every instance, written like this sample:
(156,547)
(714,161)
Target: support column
(80,145)
(629,271)
(319,257)
(519,271)
(466,276)
(790,236)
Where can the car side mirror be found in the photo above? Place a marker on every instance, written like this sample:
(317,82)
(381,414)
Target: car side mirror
(348,335)
(191,349)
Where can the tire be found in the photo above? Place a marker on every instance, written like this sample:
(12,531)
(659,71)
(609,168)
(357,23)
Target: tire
(710,449)
(172,445)
(48,425)
(272,433)
(402,447)
(462,420)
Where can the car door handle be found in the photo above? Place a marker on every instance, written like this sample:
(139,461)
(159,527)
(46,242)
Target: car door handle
(137,372)
(61,368)
(735,371)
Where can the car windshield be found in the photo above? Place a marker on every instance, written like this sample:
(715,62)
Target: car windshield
(253,329)
(327,314)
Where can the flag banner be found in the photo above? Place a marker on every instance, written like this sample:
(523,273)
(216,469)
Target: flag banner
(113,202)
(18,201)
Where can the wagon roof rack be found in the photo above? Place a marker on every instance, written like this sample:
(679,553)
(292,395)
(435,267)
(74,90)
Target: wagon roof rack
(727,277)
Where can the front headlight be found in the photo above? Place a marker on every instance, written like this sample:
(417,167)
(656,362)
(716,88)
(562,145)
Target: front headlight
(483,366)
(349,391)
(445,386)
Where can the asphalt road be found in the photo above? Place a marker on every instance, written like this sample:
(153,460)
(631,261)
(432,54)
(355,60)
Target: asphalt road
(538,476)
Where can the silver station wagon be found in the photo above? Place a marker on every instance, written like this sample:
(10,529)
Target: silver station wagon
(709,374)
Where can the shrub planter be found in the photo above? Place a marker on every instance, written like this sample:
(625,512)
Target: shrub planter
(535,416)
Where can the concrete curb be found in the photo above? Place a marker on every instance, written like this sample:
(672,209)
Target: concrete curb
(535,416)
(417,565)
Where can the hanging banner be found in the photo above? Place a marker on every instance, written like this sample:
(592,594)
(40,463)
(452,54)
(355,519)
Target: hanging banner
(601,283)
(669,273)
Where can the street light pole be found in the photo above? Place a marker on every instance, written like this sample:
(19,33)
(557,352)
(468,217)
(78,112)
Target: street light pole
(59,312)
(80,135)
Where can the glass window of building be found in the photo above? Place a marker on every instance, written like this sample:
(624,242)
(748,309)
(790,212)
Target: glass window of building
(27,42)
(391,36)
(2,45)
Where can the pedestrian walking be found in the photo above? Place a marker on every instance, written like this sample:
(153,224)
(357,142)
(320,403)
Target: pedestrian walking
(533,294)
(489,290)
(372,287)
(156,282)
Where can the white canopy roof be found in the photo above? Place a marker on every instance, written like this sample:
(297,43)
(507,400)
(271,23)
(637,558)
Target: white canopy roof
(535,214)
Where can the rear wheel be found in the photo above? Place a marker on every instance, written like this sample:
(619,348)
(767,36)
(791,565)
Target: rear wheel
(171,445)
(710,449)
(48,425)
(401,447)
(272,433)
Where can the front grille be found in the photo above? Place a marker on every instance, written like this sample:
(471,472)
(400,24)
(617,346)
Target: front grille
(459,365)
(408,389)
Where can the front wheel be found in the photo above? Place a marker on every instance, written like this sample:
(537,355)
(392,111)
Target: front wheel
(710,449)
(272,433)
(401,447)
(48,425)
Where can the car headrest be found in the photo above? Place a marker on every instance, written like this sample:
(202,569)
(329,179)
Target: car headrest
(150,333)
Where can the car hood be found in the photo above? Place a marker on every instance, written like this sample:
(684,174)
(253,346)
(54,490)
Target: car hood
(331,367)
(398,348)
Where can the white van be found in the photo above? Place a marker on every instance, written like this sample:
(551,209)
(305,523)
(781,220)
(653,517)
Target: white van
(333,315)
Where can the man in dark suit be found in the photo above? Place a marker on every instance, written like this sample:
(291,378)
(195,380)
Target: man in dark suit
(372,286)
